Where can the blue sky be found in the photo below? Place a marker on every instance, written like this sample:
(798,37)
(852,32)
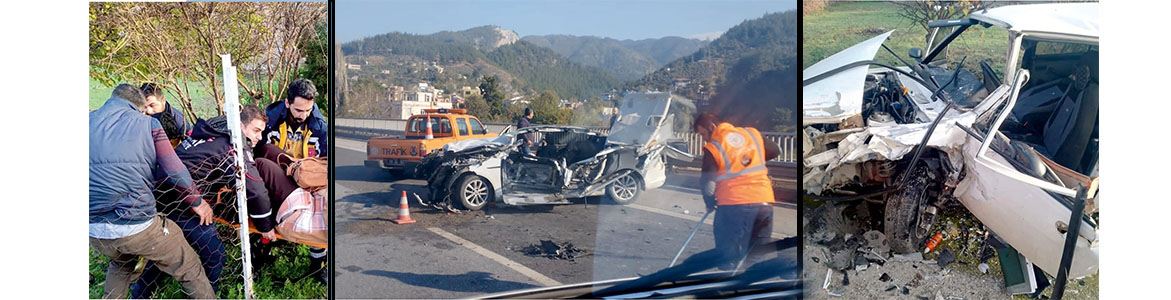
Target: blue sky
(606,18)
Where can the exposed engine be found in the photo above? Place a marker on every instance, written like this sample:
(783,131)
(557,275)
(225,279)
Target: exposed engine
(885,101)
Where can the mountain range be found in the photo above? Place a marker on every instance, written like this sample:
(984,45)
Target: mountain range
(751,65)
(625,59)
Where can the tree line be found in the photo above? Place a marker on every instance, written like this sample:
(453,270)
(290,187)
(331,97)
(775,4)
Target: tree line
(177,45)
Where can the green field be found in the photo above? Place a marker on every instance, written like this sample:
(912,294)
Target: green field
(202,101)
(841,25)
(280,280)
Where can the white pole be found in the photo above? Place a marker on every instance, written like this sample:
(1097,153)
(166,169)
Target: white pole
(232,110)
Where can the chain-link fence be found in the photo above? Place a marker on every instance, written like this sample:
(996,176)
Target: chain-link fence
(170,251)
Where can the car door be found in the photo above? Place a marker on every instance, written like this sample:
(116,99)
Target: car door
(644,122)
(1027,212)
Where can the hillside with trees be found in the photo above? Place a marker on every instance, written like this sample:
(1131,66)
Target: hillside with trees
(753,64)
(625,59)
(450,60)
(540,69)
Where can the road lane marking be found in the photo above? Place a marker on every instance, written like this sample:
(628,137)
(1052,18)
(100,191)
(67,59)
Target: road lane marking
(708,221)
(350,144)
(515,266)
(359,146)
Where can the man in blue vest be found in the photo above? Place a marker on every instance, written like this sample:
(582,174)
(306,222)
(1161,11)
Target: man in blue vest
(128,153)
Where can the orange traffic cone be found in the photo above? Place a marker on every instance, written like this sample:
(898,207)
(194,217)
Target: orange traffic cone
(404,212)
(429,134)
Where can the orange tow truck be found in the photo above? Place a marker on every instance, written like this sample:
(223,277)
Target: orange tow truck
(424,133)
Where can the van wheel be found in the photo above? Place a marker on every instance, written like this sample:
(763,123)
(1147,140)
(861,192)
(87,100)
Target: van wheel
(624,190)
(472,192)
(898,223)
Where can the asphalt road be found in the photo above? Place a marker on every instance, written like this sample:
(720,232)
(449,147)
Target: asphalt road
(451,255)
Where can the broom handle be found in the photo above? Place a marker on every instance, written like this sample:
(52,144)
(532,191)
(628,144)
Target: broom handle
(693,231)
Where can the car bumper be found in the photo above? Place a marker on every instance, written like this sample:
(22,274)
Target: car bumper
(391,164)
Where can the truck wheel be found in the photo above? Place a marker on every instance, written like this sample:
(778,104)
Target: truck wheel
(624,190)
(472,192)
(898,222)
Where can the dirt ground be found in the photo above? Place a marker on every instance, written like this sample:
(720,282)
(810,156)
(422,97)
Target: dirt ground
(832,233)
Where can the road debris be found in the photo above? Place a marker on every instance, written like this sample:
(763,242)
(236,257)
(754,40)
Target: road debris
(552,250)
(946,257)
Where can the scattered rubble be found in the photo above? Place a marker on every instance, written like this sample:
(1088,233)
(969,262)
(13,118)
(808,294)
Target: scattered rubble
(841,239)
(551,250)
(946,257)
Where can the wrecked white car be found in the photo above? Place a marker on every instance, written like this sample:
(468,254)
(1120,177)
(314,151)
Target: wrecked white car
(568,163)
(1013,146)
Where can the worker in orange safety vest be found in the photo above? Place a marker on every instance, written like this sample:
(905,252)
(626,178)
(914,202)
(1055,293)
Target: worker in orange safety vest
(734,178)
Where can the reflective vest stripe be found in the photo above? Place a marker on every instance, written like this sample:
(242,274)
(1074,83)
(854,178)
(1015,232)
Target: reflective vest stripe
(737,174)
(756,141)
(724,155)
(728,163)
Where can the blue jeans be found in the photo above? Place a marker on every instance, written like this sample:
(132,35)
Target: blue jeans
(525,149)
(737,228)
(205,241)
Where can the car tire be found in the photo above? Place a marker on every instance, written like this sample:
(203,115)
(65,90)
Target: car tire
(472,192)
(624,190)
(900,214)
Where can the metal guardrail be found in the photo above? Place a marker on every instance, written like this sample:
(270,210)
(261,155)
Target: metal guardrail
(786,142)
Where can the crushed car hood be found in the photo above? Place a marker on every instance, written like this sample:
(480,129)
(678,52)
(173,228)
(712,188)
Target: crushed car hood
(458,146)
(835,98)
(888,143)
(642,120)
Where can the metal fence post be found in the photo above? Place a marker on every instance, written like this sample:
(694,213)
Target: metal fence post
(232,110)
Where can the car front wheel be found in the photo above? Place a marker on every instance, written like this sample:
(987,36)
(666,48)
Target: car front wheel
(472,192)
(899,227)
(624,190)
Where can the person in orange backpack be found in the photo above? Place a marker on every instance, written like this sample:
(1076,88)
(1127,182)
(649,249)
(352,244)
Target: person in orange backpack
(735,179)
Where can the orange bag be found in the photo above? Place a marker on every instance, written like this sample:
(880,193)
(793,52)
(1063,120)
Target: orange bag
(310,173)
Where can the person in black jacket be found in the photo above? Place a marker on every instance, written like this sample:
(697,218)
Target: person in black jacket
(529,138)
(174,124)
(209,156)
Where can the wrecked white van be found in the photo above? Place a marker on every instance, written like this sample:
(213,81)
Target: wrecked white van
(1013,146)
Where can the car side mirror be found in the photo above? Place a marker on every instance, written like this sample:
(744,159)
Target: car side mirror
(916,53)
(983,159)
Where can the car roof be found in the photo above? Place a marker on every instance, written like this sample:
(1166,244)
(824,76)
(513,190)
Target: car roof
(1078,19)
(440,115)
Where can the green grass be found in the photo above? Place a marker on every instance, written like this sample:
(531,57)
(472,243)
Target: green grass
(841,25)
(201,100)
(275,281)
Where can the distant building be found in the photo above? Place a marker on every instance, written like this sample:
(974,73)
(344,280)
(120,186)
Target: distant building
(467,91)
(404,109)
(418,96)
(354,66)
(680,83)
(395,93)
